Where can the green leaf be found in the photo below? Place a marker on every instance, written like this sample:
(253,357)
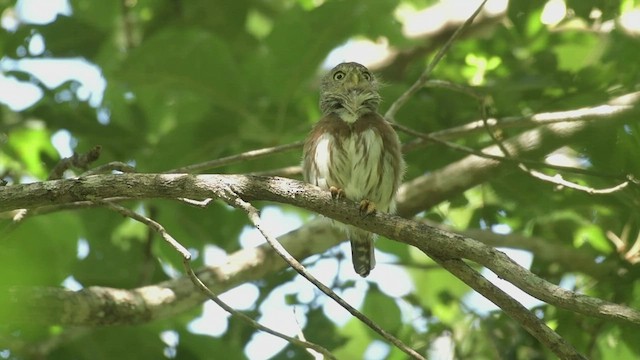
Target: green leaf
(187,60)
(594,236)
(72,37)
(581,51)
(103,14)
(140,342)
(32,146)
(39,250)
(382,309)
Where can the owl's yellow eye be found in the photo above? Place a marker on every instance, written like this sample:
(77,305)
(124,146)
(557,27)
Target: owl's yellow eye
(339,75)
(367,76)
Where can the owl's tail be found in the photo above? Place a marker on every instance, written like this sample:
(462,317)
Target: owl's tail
(362,251)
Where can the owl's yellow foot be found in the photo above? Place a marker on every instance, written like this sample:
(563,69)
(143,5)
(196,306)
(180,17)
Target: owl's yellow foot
(336,193)
(367,207)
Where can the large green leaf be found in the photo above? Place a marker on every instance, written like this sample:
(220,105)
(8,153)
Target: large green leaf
(39,250)
(186,60)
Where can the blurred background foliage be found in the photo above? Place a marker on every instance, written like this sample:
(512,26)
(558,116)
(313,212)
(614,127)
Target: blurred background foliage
(190,81)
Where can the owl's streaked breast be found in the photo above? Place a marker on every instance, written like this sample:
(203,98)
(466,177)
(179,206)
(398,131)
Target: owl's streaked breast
(356,162)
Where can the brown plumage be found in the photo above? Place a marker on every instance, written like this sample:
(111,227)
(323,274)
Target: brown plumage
(353,152)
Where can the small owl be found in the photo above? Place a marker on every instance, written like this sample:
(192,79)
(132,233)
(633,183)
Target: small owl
(354,153)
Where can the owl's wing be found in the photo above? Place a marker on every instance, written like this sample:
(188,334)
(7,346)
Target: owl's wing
(321,153)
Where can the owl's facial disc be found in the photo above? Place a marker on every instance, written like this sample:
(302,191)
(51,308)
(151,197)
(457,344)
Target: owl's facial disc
(354,80)
(350,91)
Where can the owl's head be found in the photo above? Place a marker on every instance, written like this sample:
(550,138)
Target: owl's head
(351,87)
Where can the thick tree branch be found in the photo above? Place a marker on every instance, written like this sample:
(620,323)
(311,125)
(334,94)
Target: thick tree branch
(568,257)
(437,243)
(99,306)
(512,308)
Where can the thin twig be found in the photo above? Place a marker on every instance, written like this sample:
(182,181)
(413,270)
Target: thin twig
(254,217)
(501,158)
(313,353)
(150,223)
(558,180)
(197,203)
(211,295)
(81,161)
(391,113)
(455,87)
(610,109)
(248,155)
(186,258)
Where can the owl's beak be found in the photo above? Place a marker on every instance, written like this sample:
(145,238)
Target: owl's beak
(352,81)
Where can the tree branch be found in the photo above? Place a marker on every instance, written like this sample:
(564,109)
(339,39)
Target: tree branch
(81,161)
(437,243)
(568,257)
(512,308)
(100,306)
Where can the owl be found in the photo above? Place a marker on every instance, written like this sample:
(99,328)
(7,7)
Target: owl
(354,153)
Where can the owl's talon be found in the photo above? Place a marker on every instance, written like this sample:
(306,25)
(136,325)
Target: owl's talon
(367,207)
(336,193)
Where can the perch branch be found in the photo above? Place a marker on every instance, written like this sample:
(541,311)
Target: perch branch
(437,243)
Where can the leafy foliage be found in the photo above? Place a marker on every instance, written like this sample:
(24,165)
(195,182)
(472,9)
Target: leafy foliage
(191,81)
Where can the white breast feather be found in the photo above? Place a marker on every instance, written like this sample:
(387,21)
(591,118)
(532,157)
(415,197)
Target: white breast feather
(322,160)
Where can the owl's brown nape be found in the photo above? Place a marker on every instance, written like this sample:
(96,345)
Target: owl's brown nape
(354,153)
